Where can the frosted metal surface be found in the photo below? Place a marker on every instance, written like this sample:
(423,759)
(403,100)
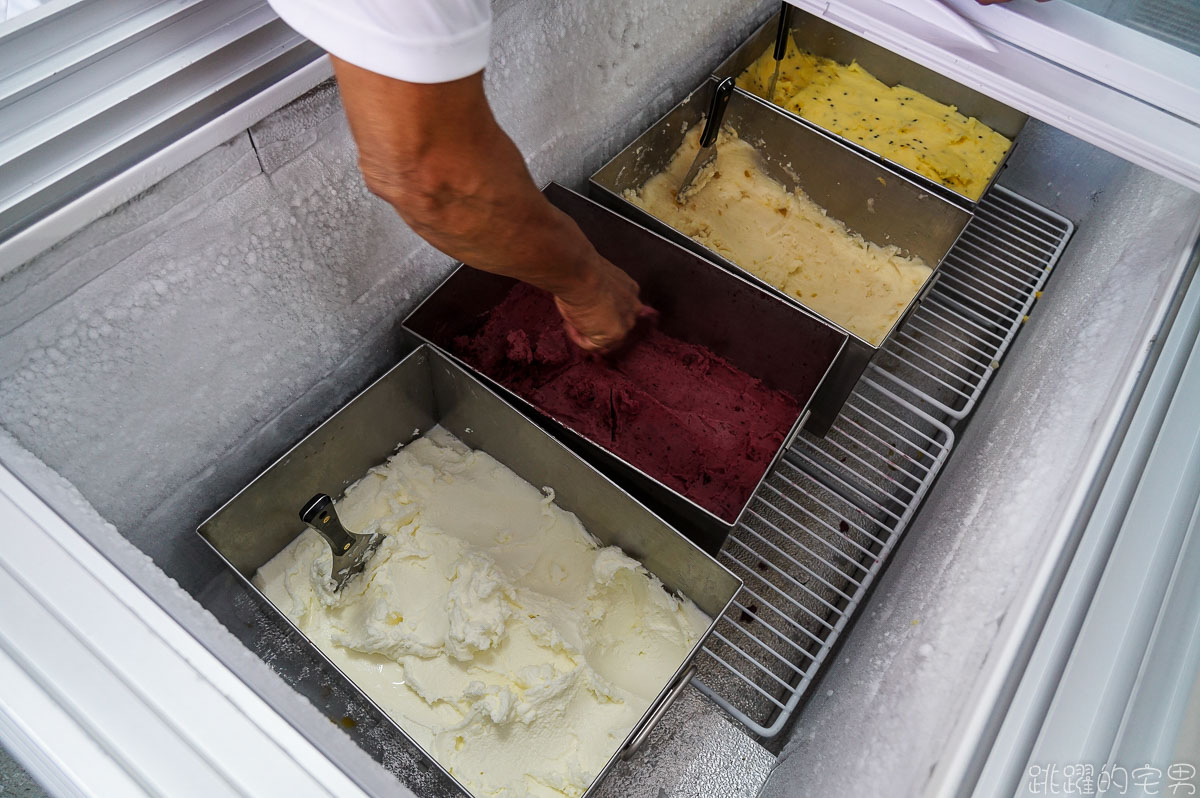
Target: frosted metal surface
(14,780)
(220,315)
(1112,678)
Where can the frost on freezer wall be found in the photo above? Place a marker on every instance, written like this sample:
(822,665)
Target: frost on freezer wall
(162,356)
(202,325)
(890,704)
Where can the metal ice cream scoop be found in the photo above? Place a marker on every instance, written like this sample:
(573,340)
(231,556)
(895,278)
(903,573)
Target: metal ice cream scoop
(708,137)
(350,551)
(781,42)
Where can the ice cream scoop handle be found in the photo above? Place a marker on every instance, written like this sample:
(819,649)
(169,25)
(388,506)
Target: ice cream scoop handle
(716,112)
(785,27)
(320,515)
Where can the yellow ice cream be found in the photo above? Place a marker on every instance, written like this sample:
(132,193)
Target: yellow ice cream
(489,624)
(784,238)
(899,123)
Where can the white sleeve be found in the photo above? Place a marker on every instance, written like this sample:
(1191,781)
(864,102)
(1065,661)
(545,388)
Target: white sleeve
(420,41)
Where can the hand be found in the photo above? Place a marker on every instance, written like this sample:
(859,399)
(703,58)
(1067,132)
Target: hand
(601,312)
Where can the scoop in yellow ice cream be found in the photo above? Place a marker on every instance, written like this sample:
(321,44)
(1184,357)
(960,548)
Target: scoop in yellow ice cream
(784,238)
(901,124)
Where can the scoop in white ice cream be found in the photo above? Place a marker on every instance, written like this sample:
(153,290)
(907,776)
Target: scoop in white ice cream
(489,624)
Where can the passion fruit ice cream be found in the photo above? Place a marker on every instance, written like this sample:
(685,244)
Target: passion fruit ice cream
(901,124)
(490,625)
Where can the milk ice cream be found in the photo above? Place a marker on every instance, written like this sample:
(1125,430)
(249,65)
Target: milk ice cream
(489,624)
(784,238)
(675,410)
(901,124)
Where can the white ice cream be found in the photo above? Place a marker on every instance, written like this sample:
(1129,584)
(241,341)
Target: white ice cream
(490,625)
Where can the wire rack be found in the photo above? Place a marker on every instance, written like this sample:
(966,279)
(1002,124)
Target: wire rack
(948,348)
(821,527)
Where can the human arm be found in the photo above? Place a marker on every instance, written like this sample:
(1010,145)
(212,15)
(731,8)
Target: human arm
(435,152)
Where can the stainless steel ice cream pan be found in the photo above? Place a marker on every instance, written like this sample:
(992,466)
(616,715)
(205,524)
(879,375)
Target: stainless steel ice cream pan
(425,389)
(786,348)
(878,204)
(819,37)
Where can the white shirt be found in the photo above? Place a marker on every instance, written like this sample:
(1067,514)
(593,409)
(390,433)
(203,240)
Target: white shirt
(420,41)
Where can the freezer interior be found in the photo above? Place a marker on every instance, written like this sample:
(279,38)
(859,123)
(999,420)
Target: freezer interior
(154,362)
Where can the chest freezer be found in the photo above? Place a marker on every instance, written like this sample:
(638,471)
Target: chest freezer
(1030,437)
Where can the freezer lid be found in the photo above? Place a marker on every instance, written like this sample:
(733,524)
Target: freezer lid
(106,694)
(1102,81)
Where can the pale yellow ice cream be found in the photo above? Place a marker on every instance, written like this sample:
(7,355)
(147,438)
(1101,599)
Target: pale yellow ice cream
(784,238)
(931,138)
(490,625)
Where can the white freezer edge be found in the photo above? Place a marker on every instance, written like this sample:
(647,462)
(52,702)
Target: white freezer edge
(102,666)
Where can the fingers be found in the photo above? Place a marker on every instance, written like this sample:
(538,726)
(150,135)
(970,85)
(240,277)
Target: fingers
(580,340)
(600,321)
(598,339)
